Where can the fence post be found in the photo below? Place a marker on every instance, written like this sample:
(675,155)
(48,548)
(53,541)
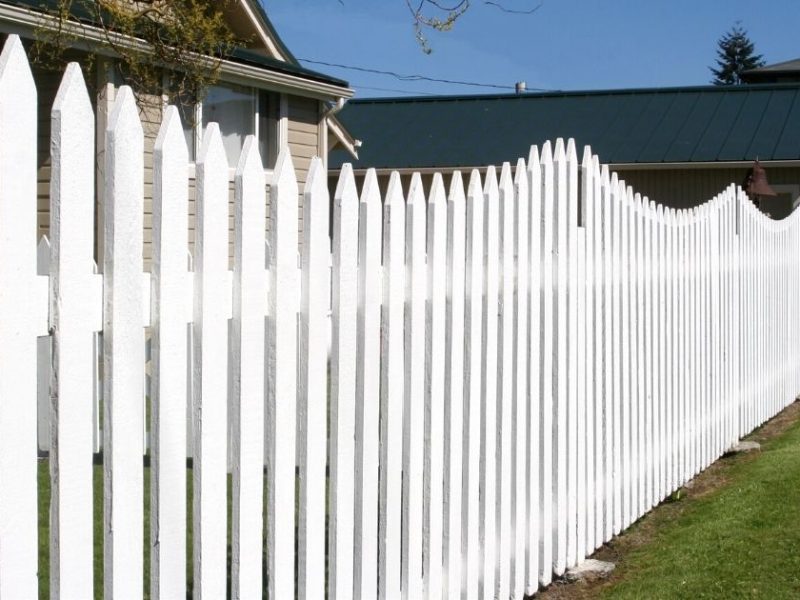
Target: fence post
(247,369)
(282,379)
(596,212)
(23,318)
(123,350)
(547,380)
(455,432)
(344,294)
(521,401)
(506,378)
(368,372)
(169,360)
(534,396)
(473,382)
(571,283)
(392,386)
(583,358)
(489,379)
(434,408)
(415,373)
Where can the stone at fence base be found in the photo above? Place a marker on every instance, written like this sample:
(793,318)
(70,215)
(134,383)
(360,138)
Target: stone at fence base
(589,570)
(744,446)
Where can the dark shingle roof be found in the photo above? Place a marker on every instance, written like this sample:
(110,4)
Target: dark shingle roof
(291,67)
(693,124)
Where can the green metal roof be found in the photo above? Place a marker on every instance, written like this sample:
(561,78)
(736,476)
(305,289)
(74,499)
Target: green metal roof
(669,125)
(242,55)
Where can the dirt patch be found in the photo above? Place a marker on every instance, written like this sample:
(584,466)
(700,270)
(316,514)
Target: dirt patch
(646,529)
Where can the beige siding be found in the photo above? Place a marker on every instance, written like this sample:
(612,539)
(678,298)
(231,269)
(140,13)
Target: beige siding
(150,112)
(303,126)
(679,188)
(303,139)
(690,187)
(47,83)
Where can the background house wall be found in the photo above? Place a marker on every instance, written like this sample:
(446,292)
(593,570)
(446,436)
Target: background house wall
(303,117)
(673,187)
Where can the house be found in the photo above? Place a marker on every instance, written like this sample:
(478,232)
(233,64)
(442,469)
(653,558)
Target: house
(678,146)
(782,72)
(263,90)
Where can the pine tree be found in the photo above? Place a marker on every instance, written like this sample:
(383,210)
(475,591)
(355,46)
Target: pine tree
(735,53)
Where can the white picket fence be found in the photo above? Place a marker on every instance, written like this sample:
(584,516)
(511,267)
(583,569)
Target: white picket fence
(520,367)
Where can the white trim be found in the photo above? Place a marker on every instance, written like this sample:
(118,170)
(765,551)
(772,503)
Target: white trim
(283,123)
(265,37)
(339,132)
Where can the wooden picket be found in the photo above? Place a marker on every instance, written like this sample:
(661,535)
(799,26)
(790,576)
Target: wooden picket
(247,356)
(517,370)
(169,390)
(23,320)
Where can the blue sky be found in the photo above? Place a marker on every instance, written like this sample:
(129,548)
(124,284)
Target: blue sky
(564,45)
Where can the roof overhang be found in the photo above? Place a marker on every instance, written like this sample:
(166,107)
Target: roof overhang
(342,136)
(24,21)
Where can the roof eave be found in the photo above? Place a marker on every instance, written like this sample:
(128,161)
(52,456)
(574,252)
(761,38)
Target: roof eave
(16,19)
(654,166)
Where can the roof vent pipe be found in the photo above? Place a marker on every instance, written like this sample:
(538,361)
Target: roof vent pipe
(520,87)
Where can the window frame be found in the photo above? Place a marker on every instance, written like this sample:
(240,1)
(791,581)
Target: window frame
(281,125)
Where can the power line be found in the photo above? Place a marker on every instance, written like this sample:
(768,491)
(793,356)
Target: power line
(414,77)
(381,89)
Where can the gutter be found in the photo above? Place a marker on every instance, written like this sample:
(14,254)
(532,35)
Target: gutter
(24,22)
(738,164)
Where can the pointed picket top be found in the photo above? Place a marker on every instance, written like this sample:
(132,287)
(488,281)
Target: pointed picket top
(416,191)
(651,208)
(15,70)
(596,165)
(559,152)
(124,117)
(605,181)
(506,184)
(572,151)
(614,185)
(637,202)
(438,195)
(547,153)
(475,186)
(533,157)
(521,181)
(171,141)
(490,184)
(456,193)
(587,160)
(394,193)
(72,98)
(250,159)
(345,186)
(370,192)
(317,181)
(212,151)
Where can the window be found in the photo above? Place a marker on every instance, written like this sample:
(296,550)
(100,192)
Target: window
(239,111)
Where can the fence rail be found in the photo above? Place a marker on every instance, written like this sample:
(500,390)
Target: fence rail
(520,365)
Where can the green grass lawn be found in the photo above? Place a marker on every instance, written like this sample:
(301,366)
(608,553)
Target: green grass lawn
(741,540)
(44,529)
(735,537)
